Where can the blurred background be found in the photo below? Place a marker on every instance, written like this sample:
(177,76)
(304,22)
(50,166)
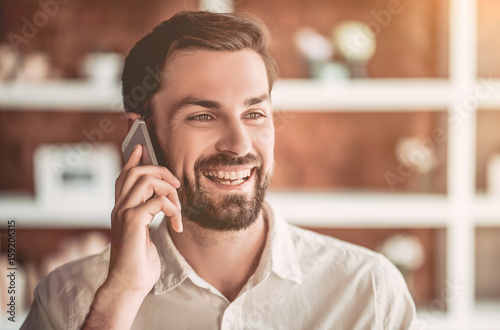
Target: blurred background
(386,115)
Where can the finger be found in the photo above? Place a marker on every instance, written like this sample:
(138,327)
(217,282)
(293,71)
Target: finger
(146,187)
(159,172)
(134,159)
(176,222)
(161,204)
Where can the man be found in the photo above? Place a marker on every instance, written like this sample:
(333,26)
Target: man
(224,259)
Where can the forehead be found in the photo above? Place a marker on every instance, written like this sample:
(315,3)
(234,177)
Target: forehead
(197,63)
(222,76)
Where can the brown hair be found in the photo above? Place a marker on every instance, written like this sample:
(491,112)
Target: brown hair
(184,31)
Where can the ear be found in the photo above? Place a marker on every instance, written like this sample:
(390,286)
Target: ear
(131,118)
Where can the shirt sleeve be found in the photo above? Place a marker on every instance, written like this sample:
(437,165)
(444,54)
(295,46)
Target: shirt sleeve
(395,306)
(63,298)
(50,305)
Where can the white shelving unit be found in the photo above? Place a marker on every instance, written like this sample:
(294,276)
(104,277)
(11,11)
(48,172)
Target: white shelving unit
(459,212)
(289,95)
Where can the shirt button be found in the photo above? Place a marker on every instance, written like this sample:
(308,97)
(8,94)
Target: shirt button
(229,316)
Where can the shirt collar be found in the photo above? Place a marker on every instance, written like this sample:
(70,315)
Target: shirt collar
(279,255)
(280,249)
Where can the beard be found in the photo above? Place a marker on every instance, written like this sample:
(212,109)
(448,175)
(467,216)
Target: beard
(225,211)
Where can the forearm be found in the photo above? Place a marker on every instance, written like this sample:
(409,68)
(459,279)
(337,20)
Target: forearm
(113,309)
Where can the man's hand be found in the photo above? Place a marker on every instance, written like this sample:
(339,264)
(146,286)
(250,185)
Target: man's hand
(140,193)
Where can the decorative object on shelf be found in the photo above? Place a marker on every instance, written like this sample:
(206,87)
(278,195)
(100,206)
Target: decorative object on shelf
(318,51)
(493,173)
(356,43)
(8,63)
(417,156)
(405,252)
(35,67)
(68,176)
(102,68)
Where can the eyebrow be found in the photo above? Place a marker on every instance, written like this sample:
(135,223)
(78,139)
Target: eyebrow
(210,104)
(256,100)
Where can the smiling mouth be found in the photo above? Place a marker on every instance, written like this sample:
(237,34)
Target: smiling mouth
(230,178)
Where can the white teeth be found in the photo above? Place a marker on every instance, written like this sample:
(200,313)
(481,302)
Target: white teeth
(234,176)
(232,183)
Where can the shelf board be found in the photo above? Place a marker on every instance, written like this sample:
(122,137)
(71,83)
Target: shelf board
(29,213)
(61,95)
(364,95)
(489,94)
(487,210)
(361,209)
(359,95)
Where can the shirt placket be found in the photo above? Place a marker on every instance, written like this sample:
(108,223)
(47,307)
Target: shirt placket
(232,318)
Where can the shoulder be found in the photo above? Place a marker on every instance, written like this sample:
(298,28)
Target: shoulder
(64,296)
(81,278)
(92,268)
(309,244)
(357,270)
(351,264)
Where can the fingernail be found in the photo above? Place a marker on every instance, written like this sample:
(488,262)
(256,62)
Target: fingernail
(135,148)
(179,228)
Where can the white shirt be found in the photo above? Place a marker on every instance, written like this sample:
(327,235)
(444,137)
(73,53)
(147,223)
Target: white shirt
(303,281)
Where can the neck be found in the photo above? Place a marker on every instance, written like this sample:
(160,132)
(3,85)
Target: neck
(226,260)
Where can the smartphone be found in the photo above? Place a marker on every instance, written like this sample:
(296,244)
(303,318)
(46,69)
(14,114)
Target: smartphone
(138,134)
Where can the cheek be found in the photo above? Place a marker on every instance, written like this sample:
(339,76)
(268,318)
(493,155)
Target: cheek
(264,145)
(186,148)
(269,157)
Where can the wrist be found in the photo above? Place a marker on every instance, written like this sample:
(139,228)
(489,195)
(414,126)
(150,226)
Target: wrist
(123,284)
(113,289)
(114,308)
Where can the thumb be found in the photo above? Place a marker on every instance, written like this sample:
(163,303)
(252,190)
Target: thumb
(135,157)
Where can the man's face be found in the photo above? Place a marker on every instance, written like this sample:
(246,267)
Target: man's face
(214,123)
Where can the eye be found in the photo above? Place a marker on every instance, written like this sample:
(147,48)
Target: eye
(254,115)
(202,117)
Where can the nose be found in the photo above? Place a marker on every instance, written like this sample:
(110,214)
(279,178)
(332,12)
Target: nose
(234,139)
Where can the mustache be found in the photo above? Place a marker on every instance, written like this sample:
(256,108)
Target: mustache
(224,159)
